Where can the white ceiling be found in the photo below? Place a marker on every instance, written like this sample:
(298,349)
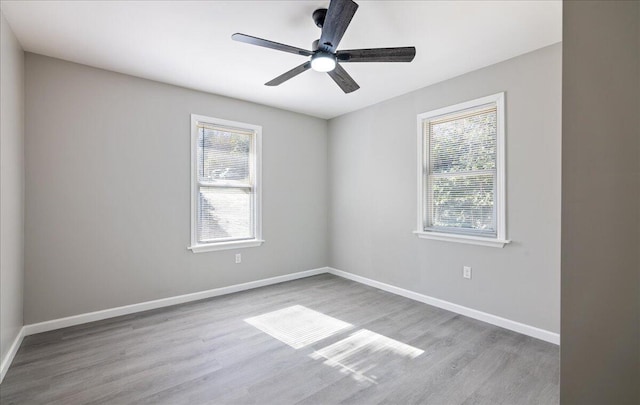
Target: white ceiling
(188,43)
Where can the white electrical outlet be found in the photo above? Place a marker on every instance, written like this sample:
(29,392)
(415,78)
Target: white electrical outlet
(238,258)
(466,272)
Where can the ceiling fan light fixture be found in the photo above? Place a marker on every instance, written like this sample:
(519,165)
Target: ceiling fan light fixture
(323,62)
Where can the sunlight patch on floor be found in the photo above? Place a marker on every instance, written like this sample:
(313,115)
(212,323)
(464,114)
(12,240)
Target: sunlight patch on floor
(364,352)
(298,326)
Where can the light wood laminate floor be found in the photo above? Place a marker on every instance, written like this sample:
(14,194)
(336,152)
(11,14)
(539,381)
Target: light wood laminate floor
(318,340)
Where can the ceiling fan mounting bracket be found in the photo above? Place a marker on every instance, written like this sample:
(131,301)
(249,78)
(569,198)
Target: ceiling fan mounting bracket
(318,17)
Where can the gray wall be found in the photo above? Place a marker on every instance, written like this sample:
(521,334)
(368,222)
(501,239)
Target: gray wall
(372,172)
(600,203)
(11,186)
(108,191)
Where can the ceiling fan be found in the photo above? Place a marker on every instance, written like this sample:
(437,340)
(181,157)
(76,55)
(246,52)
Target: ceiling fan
(324,56)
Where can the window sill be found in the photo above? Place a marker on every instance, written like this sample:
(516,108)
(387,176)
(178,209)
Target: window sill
(468,239)
(236,244)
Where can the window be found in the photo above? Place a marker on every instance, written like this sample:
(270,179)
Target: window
(225,187)
(461,173)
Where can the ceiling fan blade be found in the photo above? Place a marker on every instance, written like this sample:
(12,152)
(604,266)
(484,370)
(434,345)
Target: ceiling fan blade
(248,39)
(405,54)
(337,20)
(288,75)
(342,79)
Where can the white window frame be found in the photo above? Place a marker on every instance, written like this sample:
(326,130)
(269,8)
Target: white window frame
(255,163)
(423,232)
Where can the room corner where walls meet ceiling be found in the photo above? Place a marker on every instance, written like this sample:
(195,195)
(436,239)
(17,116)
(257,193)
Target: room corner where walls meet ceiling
(189,43)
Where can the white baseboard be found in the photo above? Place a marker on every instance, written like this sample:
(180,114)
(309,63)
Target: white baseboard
(6,362)
(528,330)
(164,302)
(180,299)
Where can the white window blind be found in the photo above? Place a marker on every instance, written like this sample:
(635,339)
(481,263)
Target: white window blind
(461,166)
(462,171)
(225,187)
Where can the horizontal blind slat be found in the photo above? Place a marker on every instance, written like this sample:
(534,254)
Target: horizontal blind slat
(221,128)
(458,116)
(467,173)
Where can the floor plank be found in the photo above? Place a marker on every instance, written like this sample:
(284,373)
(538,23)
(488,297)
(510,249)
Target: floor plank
(394,351)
